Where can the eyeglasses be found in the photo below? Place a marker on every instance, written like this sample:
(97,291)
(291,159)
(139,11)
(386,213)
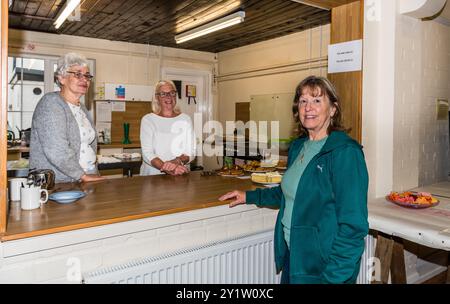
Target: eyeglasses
(79,75)
(166,94)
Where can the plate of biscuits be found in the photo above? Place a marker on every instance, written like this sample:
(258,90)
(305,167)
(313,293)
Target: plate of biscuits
(415,200)
(255,167)
(230,171)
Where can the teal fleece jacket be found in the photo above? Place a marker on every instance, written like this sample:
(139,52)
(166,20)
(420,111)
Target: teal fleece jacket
(329,220)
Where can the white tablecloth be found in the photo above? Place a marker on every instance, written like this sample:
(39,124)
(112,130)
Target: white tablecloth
(429,227)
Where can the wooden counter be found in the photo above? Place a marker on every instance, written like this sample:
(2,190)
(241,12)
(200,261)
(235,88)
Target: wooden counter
(113,145)
(119,200)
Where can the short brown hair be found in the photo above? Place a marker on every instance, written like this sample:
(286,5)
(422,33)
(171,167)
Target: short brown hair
(319,86)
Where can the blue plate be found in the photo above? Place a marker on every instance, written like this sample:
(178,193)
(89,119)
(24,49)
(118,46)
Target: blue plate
(66,197)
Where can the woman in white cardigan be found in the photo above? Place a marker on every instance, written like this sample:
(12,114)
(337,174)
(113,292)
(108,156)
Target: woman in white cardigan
(167,135)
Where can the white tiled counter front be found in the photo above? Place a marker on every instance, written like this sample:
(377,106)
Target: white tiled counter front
(62,257)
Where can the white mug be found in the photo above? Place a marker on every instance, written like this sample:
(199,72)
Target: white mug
(14,188)
(31,197)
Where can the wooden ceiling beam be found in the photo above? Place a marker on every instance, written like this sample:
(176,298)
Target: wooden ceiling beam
(324,4)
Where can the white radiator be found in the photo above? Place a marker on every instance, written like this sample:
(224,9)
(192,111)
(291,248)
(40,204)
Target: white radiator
(244,260)
(368,265)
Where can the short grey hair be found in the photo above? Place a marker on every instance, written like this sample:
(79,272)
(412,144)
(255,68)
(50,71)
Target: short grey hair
(66,61)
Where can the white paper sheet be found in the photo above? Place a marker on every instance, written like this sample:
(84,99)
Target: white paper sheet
(118,106)
(103,111)
(103,132)
(345,57)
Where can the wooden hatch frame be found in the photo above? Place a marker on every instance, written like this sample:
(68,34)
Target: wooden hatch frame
(346,25)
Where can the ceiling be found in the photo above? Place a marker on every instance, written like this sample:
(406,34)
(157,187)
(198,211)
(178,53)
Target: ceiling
(156,22)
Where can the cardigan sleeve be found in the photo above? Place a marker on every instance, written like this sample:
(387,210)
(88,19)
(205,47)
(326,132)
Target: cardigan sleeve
(50,122)
(265,197)
(350,184)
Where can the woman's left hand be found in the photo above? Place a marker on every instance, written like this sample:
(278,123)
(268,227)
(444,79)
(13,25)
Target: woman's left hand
(91,178)
(180,170)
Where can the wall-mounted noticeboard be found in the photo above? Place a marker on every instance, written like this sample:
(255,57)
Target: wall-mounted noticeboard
(120,112)
(131,92)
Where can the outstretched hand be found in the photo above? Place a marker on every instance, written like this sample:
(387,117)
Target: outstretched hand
(238,196)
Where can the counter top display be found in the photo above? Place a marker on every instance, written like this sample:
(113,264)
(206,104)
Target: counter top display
(119,200)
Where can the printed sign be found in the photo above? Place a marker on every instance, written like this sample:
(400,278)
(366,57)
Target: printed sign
(345,57)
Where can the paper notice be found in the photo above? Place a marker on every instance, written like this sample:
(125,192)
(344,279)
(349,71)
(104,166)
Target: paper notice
(103,111)
(103,132)
(345,57)
(118,106)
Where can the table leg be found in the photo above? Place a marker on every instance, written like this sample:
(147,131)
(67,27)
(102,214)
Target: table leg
(383,252)
(398,269)
(390,252)
(448,268)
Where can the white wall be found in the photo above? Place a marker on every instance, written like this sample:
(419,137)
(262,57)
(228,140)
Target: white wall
(116,62)
(421,151)
(406,67)
(270,67)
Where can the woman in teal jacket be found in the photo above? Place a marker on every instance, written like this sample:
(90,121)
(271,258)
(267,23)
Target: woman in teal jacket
(322,222)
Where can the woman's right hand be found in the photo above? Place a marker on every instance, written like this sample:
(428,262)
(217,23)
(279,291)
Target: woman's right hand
(168,167)
(171,168)
(239,197)
(91,178)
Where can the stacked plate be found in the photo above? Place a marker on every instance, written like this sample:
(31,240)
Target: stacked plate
(66,197)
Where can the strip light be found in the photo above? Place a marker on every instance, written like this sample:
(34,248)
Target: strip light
(210,27)
(67,10)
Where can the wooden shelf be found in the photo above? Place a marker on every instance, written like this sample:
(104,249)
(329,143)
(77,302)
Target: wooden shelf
(119,145)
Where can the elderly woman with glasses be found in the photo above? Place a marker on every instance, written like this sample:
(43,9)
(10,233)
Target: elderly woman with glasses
(63,137)
(320,229)
(167,135)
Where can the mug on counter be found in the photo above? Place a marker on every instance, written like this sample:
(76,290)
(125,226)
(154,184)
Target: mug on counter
(14,188)
(31,197)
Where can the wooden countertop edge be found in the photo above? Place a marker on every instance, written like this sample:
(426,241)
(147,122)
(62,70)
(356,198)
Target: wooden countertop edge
(12,237)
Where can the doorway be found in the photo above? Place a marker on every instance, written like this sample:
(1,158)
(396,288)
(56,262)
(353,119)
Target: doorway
(195,97)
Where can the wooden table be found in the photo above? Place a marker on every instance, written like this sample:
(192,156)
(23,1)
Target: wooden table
(118,200)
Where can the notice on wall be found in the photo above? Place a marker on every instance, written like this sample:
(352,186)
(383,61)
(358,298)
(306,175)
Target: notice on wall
(103,111)
(118,106)
(103,132)
(345,57)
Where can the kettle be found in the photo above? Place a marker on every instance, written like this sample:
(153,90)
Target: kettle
(25,136)
(44,178)
(11,138)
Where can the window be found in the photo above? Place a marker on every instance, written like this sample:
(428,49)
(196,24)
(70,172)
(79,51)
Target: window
(29,78)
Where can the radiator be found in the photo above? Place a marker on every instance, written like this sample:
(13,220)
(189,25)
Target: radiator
(368,264)
(243,260)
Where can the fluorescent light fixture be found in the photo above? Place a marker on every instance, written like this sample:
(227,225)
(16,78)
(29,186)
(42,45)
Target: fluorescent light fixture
(67,9)
(210,27)
(312,4)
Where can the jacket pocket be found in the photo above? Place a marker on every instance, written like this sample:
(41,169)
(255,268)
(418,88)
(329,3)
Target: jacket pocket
(306,253)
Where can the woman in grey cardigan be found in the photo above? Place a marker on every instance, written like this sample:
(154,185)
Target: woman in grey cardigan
(63,137)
